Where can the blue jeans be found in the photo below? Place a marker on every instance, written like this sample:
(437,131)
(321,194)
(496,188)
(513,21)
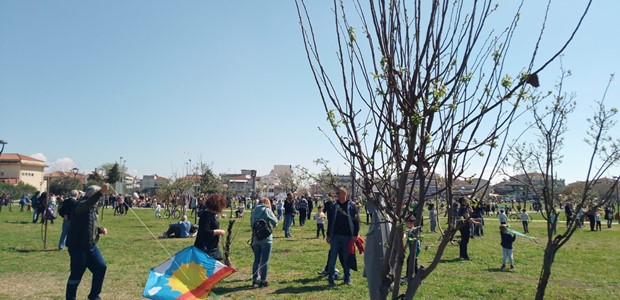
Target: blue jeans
(63,233)
(279,210)
(288,220)
(338,246)
(81,259)
(261,260)
(35,214)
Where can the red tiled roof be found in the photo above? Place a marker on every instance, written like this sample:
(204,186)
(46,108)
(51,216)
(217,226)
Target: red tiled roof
(17,156)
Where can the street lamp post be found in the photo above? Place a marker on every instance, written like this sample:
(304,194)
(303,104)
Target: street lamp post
(253,174)
(75,172)
(2,143)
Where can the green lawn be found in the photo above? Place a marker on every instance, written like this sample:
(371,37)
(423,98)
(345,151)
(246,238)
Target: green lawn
(585,268)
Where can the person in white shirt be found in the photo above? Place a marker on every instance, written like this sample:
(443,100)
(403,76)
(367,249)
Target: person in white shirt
(158,211)
(525,219)
(503,218)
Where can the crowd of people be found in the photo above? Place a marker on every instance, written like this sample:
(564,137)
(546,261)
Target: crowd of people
(337,221)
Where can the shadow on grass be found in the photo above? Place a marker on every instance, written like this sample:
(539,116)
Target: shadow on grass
(17,222)
(301,289)
(222,291)
(497,270)
(308,280)
(450,260)
(13,249)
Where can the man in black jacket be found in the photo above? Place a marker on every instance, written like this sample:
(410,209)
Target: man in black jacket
(342,227)
(82,240)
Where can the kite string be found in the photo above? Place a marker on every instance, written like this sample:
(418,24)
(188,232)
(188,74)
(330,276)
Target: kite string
(154,237)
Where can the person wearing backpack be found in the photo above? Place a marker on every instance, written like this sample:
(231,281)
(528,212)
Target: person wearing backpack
(262,220)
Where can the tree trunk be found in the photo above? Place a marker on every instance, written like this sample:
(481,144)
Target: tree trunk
(397,263)
(545,272)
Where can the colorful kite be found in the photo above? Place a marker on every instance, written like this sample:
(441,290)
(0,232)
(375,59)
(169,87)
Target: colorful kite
(189,274)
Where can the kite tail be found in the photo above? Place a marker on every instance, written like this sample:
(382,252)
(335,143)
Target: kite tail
(523,235)
(227,262)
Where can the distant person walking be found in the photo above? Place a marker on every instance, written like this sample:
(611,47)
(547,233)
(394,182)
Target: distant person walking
(568,211)
(289,214)
(64,211)
(320,222)
(609,215)
(502,217)
(41,206)
(525,218)
(432,216)
(35,202)
(262,247)
(303,210)
(23,202)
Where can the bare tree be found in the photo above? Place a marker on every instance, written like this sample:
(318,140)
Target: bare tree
(425,89)
(543,156)
(325,180)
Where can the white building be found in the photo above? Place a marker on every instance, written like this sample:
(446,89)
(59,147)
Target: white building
(16,168)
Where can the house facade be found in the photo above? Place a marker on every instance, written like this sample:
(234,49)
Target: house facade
(16,168)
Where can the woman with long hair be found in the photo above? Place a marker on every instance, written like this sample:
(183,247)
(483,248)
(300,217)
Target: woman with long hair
(262,247)
(208,237)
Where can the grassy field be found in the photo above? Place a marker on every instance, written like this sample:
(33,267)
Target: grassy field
(587,268)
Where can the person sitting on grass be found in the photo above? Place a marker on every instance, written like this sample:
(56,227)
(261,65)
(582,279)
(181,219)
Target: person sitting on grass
(178,230)
(507,240)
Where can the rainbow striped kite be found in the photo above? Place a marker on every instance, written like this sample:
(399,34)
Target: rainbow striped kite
(189,274)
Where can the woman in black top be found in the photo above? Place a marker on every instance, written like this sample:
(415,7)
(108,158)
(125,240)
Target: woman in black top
(208,237)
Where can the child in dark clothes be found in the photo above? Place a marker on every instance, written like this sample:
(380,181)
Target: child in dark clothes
(507,240)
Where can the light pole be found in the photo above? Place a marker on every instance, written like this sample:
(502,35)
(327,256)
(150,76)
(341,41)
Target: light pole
(253,174)
(2,143)
(75,171)
(120,178)
(617,199)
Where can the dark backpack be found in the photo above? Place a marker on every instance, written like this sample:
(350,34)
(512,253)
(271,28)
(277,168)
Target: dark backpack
(50,214)
(262,229)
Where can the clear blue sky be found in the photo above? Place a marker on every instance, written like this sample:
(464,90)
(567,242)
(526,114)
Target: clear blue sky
(160,82)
